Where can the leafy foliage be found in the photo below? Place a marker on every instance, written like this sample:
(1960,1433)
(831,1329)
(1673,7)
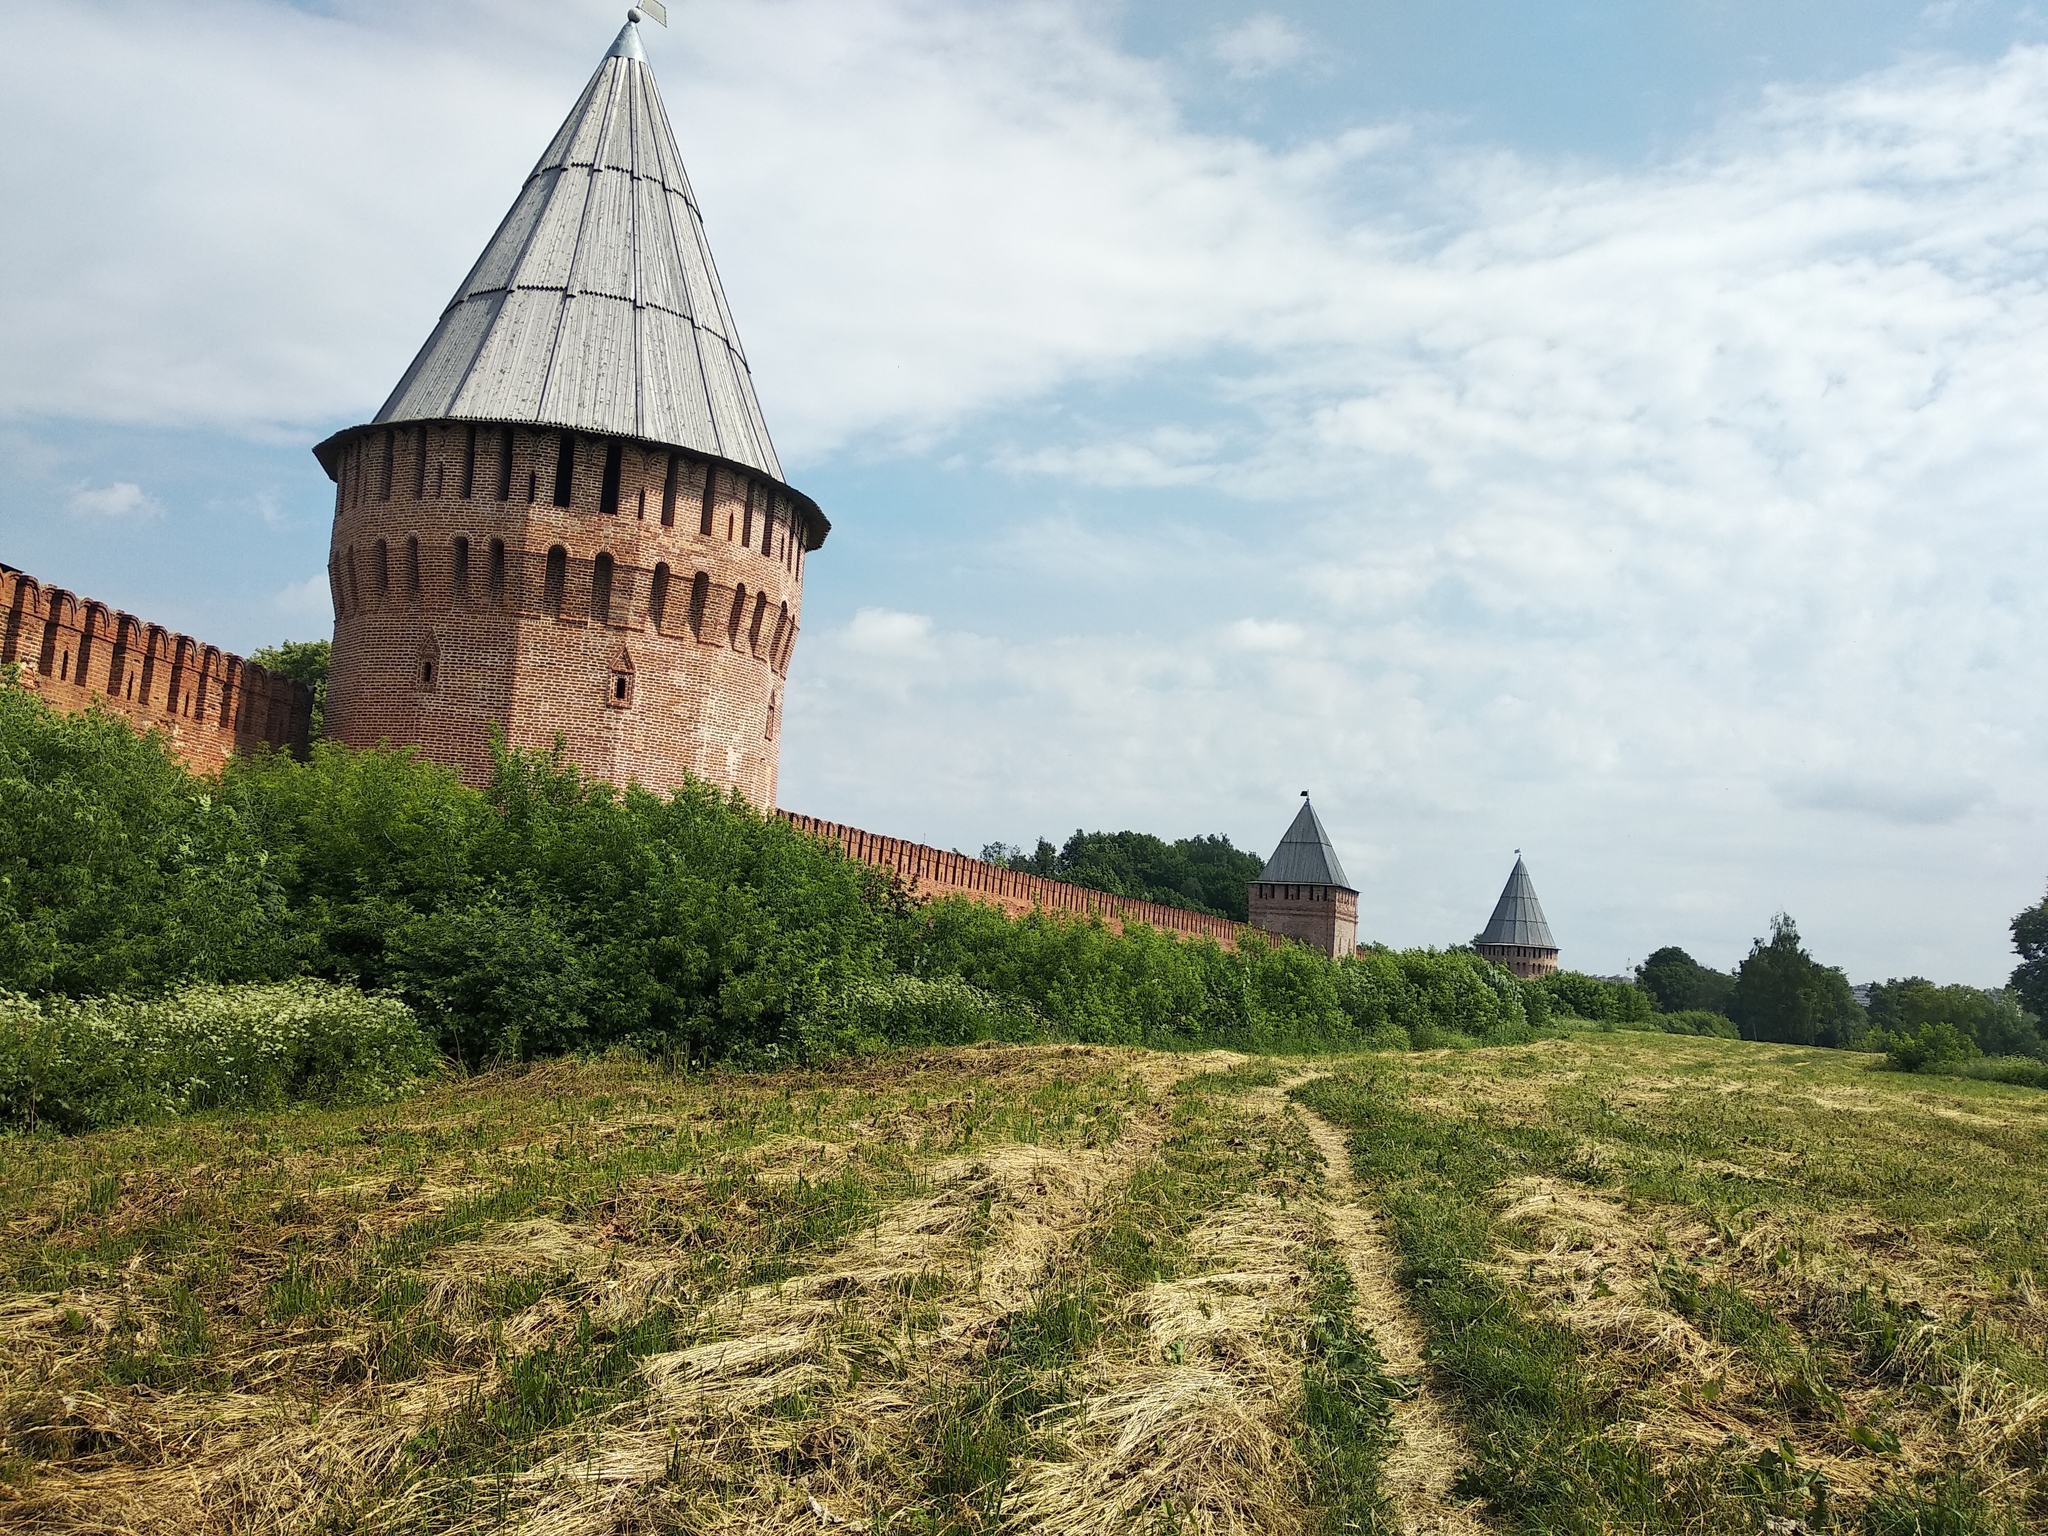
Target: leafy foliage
(1678,983)
(1589,997)
(303,661)
(549,913)
(2030,976)
(1993,1022)
(83,1065)
(1198,874)
(1783,994)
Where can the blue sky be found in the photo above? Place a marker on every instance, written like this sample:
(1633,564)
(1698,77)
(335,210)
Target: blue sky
(1610,431)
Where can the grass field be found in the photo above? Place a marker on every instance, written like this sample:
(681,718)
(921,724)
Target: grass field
(1604,1283)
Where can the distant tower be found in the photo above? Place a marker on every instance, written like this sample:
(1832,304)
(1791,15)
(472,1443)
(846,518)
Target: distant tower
(1516,935)
(568,519)
(1302,893)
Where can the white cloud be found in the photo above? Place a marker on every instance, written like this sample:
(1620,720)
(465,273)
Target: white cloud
(1259,45)
(307,602)
(123,499)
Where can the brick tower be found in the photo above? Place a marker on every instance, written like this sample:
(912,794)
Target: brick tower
(1517,936)
(1302,894)
(568,519)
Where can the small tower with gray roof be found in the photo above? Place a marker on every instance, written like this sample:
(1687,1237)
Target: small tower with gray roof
(1302,893)
(568,523)
(1517,936)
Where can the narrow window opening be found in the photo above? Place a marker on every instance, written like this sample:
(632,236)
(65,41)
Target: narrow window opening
(710,499)
(497,575)
(754,629)
(601,590)
(668,491)
(440,481)
(556,578)
(383,569)
(427,674)
(657,597)
(468,482)
(460,565)
(532,486)
(419,470)
(739,613)
(390,462)
(770,732)
(747,525)
(608,490)
(412,567)
(700,599)
(565,470)
(505,465)
(781,623)
(643,504)
(768,529)
(619,689)
(619,692)
(64,672)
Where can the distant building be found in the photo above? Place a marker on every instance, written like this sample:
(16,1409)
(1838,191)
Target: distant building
(1516,935)
(1302,893)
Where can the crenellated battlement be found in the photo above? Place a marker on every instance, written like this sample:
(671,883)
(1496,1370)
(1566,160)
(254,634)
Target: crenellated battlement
(75,652)
(931,871)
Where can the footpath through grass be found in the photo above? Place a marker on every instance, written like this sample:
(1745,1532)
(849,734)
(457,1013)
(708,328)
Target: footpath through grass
(1701,1286)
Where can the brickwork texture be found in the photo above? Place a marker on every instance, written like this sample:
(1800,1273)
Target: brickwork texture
(75,652)
(1323,917)
(638,602)
(936,872)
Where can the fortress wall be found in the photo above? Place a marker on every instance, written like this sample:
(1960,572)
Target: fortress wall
(75,652)
(936,872)
(656,642)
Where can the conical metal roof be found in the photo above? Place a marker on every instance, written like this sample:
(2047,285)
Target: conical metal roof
(1518,915)
(1305,855)
(596,305)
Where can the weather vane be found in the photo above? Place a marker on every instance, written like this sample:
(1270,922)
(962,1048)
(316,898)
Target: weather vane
(653,8)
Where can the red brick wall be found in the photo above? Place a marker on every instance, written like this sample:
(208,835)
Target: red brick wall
(209,702)
(1324,917)
(935,872)
(437,663)
(1525,960)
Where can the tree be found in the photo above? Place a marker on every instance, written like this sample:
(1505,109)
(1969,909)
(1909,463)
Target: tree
(1783,994)
(1198,874)
(303,661)
(2030,976)
(1680,983)
(1992,1021)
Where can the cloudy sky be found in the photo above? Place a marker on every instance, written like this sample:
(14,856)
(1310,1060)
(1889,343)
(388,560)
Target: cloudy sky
(1616,431)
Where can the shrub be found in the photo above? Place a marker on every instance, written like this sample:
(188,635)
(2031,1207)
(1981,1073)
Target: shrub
(80,1065)
(1603,1002)
(909,1010)
(1940,1048)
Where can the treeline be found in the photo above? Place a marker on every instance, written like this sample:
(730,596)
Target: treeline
(548,913)
(1197,874)
(1780,993)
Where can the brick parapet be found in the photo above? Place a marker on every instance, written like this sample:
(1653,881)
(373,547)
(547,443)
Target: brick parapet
(656,646)
(1527,961)
(209,703)
(936,872)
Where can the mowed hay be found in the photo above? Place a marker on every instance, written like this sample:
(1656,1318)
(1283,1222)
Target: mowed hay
(318,1430)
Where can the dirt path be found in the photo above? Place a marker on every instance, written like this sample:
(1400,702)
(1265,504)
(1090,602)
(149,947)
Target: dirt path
(1419,1469)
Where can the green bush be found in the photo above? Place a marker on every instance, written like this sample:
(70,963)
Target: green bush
(1939,1048)
(80,1065)
(1603,1002)
(908,1010)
